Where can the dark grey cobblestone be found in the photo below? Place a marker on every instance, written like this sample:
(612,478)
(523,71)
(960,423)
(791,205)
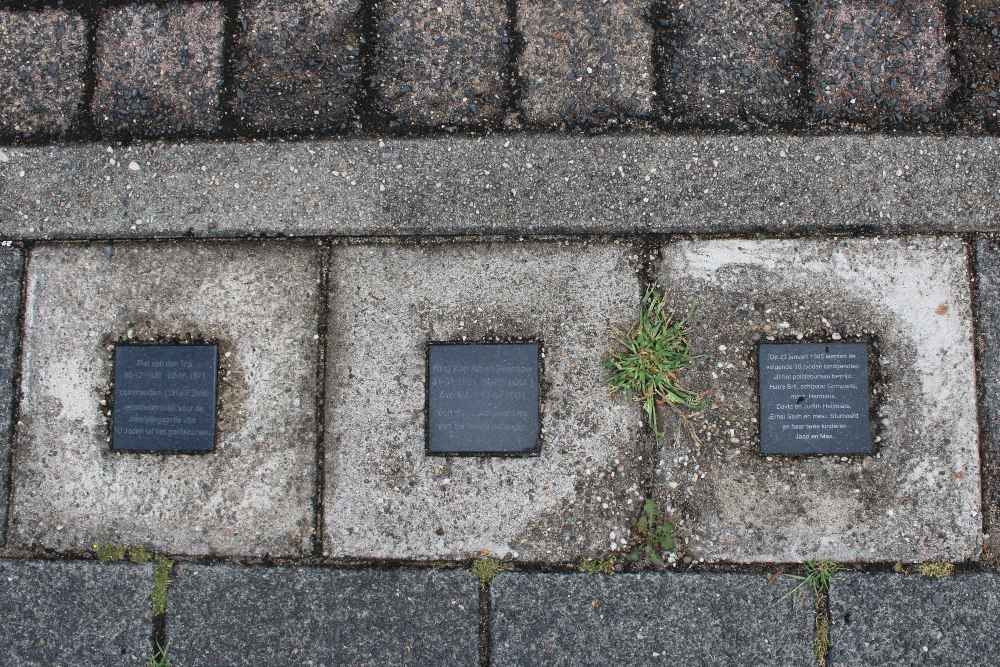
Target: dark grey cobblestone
(891,619)
(159,69)
(978,51)
(43,57)
(84,614)
(297,65)
(988,278)
(585,62)
(731,63)
(443,63)
(648,619)
(880,64)
(306,616)
(11,266)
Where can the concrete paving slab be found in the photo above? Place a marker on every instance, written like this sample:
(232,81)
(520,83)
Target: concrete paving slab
(74,613)
(442,63)
(731,63)
(585,63)
(977,48)
(880,64)
(891,619)
(297,65)
(988,277)
(11,265)
(503,184)
(158,69)
(385,498)
(307,616)
(917,498)
(253,495)
(647,619)
(43,57)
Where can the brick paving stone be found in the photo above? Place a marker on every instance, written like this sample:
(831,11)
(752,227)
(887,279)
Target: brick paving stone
(11,263)
(43,56)
(312,616)
(988,276)
(647,619)
(731,62)
(880,64)
(893,619)
(443,63)
(978,50)
(296,65)
(918,497)
(253,495)
(384,497)
(158,69)
(585,62)
(74,613)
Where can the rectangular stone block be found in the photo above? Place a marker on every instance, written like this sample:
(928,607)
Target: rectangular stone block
(917,497)
(647,619)
(384,497)
(43,57)
(988,282)
(296,65)
(585,63)
(11,264)
(305,616)
(253,495)
(977,49)
(158,69)
(891,619)
(74,613)
(731,63)
(879,64)
(443,63)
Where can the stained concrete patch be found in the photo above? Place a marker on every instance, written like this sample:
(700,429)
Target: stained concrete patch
(63,613)
(300,616)
(647,619)
(918,497)
(384,497)
(11,264)
(253,494)
(890,619)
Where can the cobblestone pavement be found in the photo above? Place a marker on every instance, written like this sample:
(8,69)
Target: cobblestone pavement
(324,188)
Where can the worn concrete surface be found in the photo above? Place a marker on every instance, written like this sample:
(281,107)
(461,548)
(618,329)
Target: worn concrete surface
(74,613)
(647,619)
(311,616)
(384,497)
(43,57)
(918,497)
(11,266)
(988,277)
(891,619)
(253,495)
(503,184)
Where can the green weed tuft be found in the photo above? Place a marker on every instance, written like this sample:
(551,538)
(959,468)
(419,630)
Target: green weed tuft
(486,569)
(655,537)
(159,658)
(596,565)
(817,574)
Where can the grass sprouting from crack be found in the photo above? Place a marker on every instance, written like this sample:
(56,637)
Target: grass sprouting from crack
(654,535)
(652,352)
(936,570)
(160,658)
(596,565)
(817,575)
(486,569)
(161,582)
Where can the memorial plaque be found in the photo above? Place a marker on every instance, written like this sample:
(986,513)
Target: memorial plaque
(483,399)
(814,398)
(164,398)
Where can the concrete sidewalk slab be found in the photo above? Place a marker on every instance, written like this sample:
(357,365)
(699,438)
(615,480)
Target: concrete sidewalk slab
(917,498)
(647,619)
(74,613)
(305,616)
(11,268)
(385,498)
(253,495)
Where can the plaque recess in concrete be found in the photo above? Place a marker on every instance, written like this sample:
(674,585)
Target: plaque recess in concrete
(483,399)
(814,398)
(164,398)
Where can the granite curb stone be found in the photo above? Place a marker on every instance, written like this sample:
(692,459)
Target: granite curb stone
(43,57)
(11,268)
(284,615)
(893,619)
(647,619)
(74,613)
(988,277)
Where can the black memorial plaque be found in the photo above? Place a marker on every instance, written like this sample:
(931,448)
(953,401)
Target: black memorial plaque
(164,398)
(483,399)
(814,398)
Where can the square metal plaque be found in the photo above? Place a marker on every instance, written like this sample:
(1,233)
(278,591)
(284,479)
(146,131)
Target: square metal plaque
(483,399)
(164,398)
(814,398)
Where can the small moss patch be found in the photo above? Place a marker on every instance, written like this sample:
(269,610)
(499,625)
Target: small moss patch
(161,582)
(936,570)
(110,553)
(486,569)
(596,565)
(821,640)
